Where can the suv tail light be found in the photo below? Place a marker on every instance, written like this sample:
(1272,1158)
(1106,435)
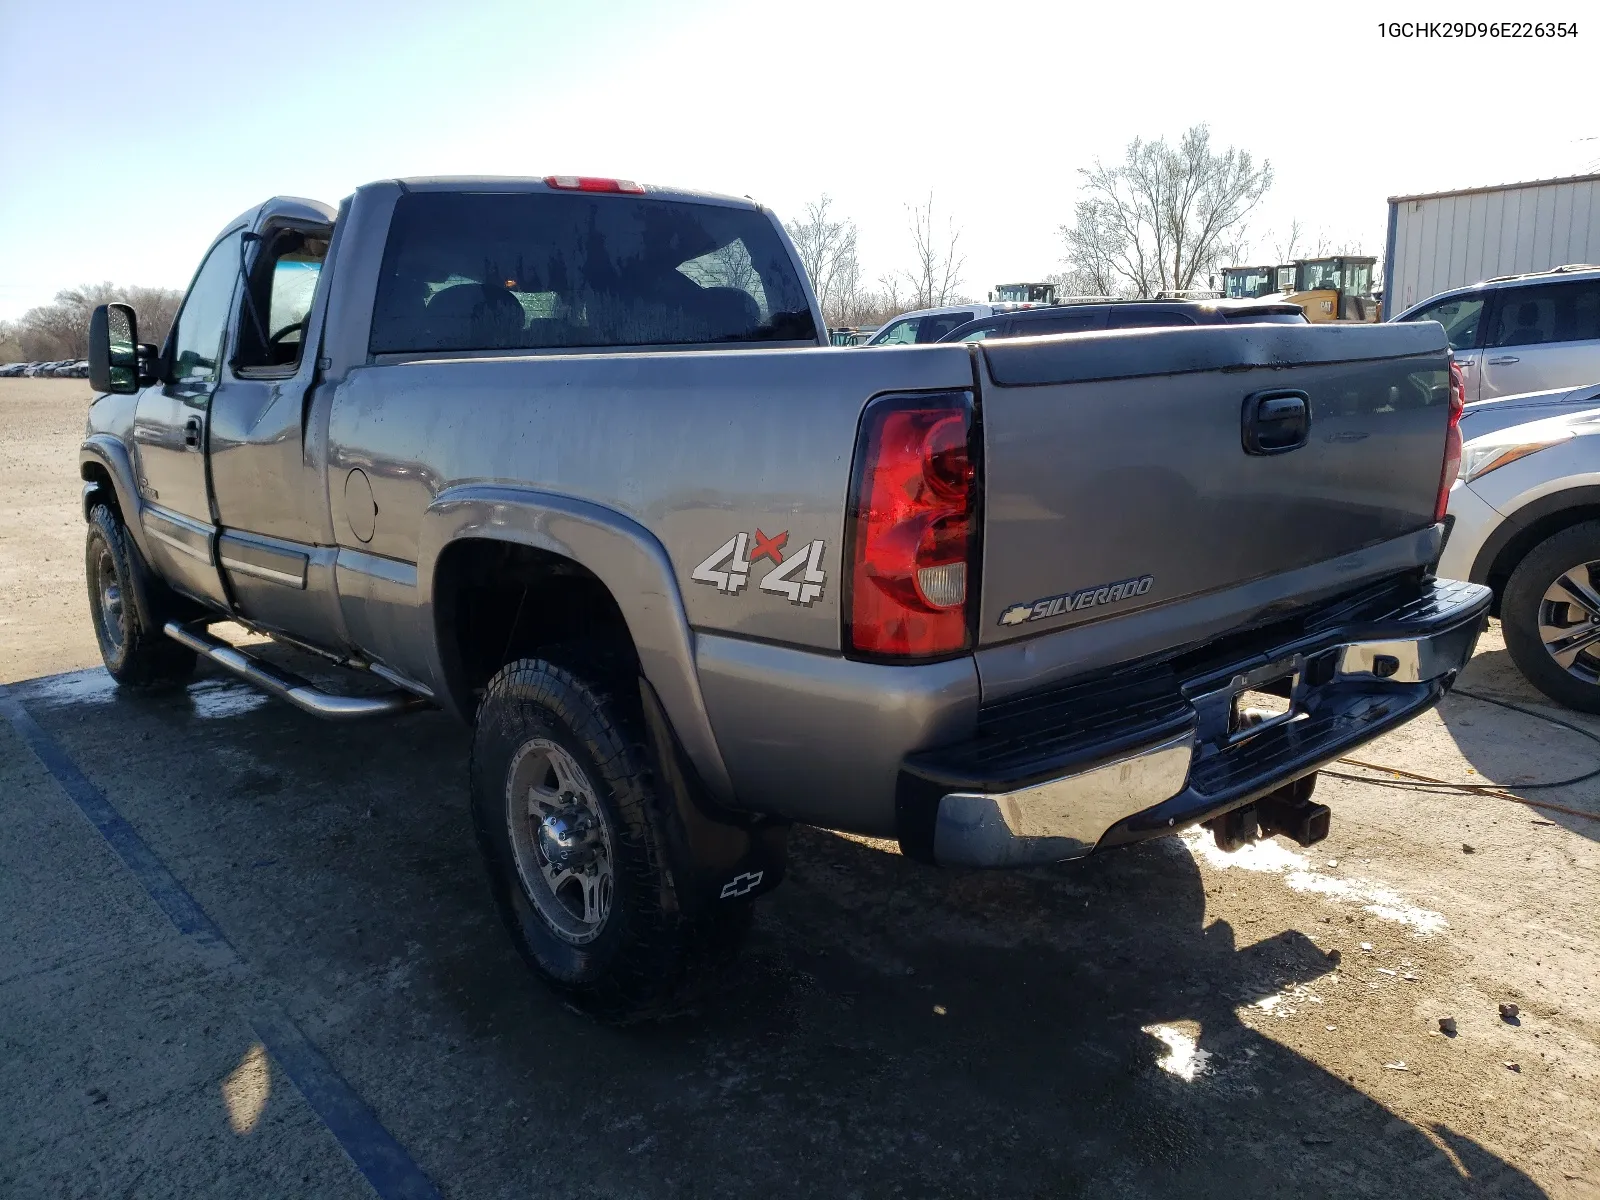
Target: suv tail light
(912,528)
(1452,440)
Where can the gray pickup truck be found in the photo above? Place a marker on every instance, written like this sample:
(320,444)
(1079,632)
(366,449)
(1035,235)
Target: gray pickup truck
(571,459)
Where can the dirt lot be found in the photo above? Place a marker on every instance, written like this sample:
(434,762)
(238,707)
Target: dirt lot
(1161,1021)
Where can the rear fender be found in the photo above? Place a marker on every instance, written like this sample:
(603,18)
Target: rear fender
(624,556)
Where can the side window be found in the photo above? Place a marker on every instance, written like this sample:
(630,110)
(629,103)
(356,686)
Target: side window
(1083,320)
(197,334)
(1526,317)
(1579,321)
(1147,318)
(283,281)
(935,327)
(901,333)
(1459,316)
(988,331)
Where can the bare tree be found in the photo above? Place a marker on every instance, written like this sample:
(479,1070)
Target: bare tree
(1166,215)
(61,329)
(1092,245)
(1285,248)
(827,250)
(934,279)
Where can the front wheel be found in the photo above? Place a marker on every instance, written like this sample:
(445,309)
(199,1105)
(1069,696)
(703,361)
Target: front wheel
(1550,613)
(575,831)
(136,656)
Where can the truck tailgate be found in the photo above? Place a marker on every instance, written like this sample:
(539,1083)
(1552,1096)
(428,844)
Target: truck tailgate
(1117,476)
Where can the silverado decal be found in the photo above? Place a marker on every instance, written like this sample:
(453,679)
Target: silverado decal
(799,578)
(1054,606)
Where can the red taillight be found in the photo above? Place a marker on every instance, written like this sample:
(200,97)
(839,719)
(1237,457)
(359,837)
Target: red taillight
(593,183)
(912,534)
(1452,440)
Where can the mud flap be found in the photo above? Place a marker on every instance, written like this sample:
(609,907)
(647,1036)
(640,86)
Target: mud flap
(729,857)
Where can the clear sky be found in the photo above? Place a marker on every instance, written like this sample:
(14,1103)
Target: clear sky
(132,132)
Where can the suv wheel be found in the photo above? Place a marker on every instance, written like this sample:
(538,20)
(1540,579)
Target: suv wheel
(1551,616)
(578,837)
(137,657)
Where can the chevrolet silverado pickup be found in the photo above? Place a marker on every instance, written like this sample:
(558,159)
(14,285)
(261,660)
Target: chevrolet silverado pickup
(570,459)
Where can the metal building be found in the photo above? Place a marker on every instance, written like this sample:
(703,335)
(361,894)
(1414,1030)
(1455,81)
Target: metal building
(1449,239)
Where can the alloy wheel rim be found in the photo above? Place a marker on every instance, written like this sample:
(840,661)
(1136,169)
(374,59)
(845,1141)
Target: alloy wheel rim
(560,841)
(1569,621)
(109,588)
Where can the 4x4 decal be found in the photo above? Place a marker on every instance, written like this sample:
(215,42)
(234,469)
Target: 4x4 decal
(798,578)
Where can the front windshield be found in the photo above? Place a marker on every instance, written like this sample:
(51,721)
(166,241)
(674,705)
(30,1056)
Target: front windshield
(901,333)
(1316,276)
(1248,285)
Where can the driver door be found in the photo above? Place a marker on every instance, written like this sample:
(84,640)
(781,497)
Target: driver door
(170,428)
(275,541)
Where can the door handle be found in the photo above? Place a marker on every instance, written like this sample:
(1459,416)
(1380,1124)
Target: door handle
(1276,421)
(191,433)
(1505,360)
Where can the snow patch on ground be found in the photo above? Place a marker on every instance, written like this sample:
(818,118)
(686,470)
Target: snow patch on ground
(1184,1058)
(1273,857)
(1282,1004)
(217,698)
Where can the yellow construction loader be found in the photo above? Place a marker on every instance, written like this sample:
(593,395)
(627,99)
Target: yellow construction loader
(1335,289)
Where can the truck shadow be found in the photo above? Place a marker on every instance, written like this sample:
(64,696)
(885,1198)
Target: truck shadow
(893,1029)
(1071,1031)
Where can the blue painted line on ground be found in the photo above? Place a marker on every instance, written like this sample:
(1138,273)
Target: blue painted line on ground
(382,1161)
(170,895)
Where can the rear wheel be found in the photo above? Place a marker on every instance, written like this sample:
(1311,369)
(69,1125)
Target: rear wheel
(136,656)
(1551,616)
(575,831)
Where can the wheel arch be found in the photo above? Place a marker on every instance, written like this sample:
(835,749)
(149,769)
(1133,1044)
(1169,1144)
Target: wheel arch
(107,475)
(583,554)
(1525,529)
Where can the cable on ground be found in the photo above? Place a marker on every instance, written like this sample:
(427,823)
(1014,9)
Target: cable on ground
(1414,781)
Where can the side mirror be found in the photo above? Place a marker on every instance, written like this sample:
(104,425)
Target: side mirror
(114,349)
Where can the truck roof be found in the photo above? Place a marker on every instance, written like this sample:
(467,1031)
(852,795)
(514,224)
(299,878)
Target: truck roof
(293,208)
(538,183)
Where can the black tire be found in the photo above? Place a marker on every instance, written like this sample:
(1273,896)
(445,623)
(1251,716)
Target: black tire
(137,657)
(1524,604)
(645,957)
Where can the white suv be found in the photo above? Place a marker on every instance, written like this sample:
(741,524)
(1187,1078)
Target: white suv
(930,324)
(1522,333)
(1524,518)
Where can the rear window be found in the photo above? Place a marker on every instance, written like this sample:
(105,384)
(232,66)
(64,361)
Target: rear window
(538,270)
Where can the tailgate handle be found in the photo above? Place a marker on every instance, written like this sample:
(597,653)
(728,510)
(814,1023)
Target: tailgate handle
(1276,421)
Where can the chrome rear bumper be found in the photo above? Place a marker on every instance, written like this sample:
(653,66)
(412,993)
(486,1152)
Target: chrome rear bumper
(1151,750)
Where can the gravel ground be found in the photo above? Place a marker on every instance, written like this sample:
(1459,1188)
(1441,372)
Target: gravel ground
(1161,1021)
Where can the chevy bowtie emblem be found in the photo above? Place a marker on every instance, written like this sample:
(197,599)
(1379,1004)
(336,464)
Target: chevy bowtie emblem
(741,885)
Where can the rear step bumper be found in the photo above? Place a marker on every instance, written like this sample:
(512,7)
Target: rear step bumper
(286,686)
(1160,748)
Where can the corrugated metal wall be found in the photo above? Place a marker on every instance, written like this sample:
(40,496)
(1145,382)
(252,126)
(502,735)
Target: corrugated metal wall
(1440,242)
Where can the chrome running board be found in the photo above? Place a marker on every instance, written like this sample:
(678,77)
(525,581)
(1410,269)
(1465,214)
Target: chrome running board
(286,686)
